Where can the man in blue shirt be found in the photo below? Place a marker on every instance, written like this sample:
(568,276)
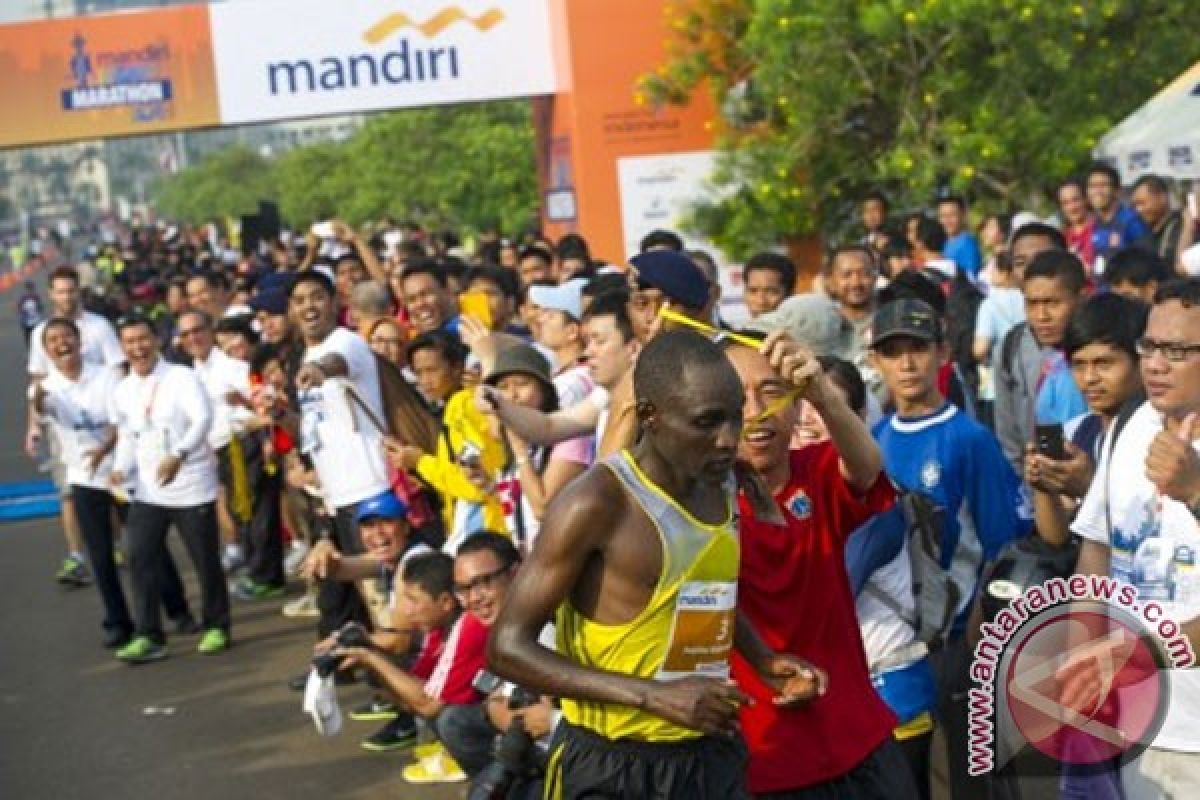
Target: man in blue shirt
(931,448)
(961,245)
(1117,225)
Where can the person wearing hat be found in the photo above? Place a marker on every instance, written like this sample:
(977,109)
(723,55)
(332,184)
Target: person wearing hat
(387,546)
(933,449)
(560,331)
(532,475)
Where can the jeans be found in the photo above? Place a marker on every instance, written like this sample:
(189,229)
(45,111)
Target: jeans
(197,525)
(468,734)
(340,602)
(94,509)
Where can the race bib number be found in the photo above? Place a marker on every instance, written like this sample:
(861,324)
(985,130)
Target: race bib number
(702,633)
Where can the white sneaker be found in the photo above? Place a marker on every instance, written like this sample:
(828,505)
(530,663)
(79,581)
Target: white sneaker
(232,558)
(438,767)
(294,560)
(305,606)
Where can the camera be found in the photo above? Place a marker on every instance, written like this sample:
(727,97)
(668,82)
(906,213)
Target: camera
(516,756)
(352,634)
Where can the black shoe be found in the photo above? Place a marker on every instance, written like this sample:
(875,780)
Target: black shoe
(187,626)
(116,637)
(399,734)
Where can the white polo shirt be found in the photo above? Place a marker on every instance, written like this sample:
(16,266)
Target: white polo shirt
(79,414)
(165,413)
(221,375)
(345,446)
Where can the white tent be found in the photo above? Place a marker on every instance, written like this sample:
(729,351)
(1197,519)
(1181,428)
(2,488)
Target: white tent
(1162,137)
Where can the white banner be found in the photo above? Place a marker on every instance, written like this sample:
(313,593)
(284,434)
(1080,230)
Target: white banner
(296,58)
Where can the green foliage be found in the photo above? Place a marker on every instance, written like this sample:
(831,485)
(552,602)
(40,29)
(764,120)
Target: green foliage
(457,166)
(993,98)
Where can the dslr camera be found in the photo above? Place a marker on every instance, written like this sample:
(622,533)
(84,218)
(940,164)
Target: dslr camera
(352,634)
(516,757)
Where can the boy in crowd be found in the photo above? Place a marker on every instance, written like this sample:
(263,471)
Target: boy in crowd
(930,448)
(1137,273)
(768,279)
(1033,382)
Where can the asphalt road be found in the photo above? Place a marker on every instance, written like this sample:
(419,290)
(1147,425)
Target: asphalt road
(72,718)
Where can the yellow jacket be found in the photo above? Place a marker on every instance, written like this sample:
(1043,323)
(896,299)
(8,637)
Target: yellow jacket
(463,422)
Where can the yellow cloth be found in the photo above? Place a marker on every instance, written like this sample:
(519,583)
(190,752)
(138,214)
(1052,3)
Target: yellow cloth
(917,726)
(686,627)
(464,422)
(241,505)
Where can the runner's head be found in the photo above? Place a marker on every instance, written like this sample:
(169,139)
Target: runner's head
(689,404)
(483,572)
(427,591)
(61,340)
(64,292)
(1101,347)
(311,305)
(1170,349)
(383,526)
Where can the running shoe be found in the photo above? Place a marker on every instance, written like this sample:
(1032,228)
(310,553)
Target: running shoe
(246,589)
(439,767)
(305,606)
(377,710)
(399,734)
(294,560)
(214,641)
(73,573)
(141,651)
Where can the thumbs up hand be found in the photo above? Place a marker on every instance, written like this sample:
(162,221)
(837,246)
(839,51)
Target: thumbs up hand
(1172,465)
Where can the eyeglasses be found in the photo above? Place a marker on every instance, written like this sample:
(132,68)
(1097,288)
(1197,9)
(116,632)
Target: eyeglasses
(1174,352)
(484,581)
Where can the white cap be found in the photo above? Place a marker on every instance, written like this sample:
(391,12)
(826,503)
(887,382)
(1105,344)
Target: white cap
(567,298)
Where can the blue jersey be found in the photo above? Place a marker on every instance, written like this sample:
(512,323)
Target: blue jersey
(958,464)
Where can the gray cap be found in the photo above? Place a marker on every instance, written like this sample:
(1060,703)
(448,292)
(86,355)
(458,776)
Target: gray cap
(813,320)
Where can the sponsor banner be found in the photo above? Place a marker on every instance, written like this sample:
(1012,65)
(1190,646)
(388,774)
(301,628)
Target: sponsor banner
(277,59)
(107,75)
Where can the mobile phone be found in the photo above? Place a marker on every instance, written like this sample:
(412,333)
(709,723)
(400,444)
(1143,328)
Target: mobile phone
(1050,441)
(475,304)
(323,230)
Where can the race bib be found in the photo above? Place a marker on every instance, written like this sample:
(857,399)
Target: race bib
(702,632)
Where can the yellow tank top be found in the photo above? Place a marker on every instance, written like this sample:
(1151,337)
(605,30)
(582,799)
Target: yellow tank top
(685,629)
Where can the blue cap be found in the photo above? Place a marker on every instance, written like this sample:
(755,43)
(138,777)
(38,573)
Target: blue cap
(272,301)
(271,281)
(674,274)
(384,505)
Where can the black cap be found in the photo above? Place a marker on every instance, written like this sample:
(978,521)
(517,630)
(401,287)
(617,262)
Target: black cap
(906,317)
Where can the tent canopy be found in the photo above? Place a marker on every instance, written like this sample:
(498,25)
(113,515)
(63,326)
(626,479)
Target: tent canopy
(1162,137)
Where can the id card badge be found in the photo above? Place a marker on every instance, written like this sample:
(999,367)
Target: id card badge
(702,633)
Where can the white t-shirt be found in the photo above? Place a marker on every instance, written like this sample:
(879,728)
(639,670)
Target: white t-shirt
(345,446)
(78,413)
(1155,546)
(221,375)
(883,630)
(98,342)
(165,413)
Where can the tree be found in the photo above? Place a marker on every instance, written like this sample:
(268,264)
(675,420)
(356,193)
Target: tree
(229,182)
(996,99)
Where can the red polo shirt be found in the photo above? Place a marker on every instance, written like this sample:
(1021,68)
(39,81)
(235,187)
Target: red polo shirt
(793,588)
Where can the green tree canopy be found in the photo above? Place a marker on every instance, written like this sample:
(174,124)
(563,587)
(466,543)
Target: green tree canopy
(996,99)
(458,166)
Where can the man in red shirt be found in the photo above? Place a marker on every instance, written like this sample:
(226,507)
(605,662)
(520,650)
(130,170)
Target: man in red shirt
(794,589)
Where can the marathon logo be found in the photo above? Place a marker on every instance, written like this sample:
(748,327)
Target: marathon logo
(88,98)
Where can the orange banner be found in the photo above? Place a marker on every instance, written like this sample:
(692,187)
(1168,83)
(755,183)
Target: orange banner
(110,75)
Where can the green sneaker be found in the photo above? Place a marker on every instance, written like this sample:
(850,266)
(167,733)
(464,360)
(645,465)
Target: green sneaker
(73,572)
(246,589)
(141,651)
(214,641)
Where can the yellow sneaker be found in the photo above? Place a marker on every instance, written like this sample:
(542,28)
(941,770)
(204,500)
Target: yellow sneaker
(424,751)
(437,768)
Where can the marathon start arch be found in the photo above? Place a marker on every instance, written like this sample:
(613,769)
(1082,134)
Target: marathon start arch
(607,165)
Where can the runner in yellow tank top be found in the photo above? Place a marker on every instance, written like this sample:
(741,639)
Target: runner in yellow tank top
(637,560)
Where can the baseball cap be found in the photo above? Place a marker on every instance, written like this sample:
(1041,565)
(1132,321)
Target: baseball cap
(272,301)
(906,317)
(674,274)
(384,505)
(567,297)
(811,319)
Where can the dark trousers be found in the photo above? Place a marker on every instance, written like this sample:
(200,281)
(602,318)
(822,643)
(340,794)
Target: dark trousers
(340,602)
(883,775)
(262,536)
(197,525)
(94,509)
(468,734)
(916,753)
(951,666)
